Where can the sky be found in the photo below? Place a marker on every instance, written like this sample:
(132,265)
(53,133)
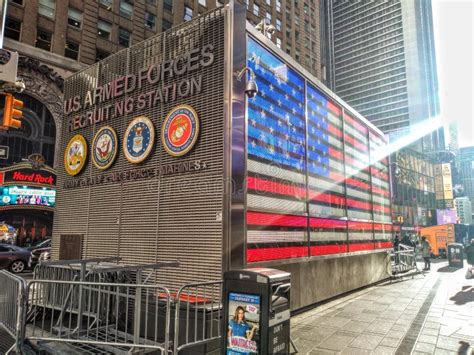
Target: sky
(454,38)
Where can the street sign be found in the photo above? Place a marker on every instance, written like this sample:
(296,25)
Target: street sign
(4,151)
(8,66)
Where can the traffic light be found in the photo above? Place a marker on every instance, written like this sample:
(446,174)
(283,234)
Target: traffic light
(11,111)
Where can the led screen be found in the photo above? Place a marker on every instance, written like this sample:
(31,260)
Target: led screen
(27,196)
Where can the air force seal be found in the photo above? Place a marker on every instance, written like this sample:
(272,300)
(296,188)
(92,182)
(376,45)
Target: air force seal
(138,140)
(180,130)
(75,155)
(104,148)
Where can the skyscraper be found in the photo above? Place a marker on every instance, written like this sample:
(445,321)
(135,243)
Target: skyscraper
(380,58)
(465,167)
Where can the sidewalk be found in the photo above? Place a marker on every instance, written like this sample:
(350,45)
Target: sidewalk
(424,315)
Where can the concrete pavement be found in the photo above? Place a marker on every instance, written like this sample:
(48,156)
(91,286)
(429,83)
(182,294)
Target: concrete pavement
(430,314)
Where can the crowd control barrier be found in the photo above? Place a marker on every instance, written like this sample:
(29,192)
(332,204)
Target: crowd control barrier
(12,312)
(403,260)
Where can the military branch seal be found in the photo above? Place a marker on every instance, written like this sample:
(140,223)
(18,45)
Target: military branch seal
(138,140)
(104,148)
(75,155)
(180,130)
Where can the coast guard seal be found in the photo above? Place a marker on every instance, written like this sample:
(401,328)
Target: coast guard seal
(138,140)
(180,130)
(75,155)
(104,148)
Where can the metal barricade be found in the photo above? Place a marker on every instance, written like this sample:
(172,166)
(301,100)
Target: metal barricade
(12,312)
(403,260)
(198,313)
(99,317)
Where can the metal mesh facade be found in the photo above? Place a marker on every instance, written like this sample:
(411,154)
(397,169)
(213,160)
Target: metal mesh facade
(170,216)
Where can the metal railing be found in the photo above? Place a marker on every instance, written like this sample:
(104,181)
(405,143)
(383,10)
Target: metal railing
(107,317)
(403,259)
(198,315)
(12,311)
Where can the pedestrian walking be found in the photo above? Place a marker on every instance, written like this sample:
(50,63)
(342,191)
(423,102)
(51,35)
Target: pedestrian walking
(426,253)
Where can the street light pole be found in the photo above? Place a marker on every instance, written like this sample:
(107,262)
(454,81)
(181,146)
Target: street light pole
(3,14)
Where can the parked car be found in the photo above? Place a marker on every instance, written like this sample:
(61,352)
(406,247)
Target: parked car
(43,244)
(37,251)
(13,258)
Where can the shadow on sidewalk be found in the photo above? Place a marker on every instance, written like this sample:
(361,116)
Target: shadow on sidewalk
(448,269)
(464,296)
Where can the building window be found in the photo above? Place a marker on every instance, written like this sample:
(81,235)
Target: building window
(72,50)
(268,2)
(188,13)
(268,17)
(18,2)
(256,9)
(168,5)
(100,54)
(47,8)
(278,24)
(126,9)
(74,17)
(43,39)
(12,28)
(124,37)
(278,42)
(151,2)
(104,29)
(150,21)
(278,5)
(203,3)
(165,25)
(106,3)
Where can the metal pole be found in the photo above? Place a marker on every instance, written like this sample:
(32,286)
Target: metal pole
(3,14)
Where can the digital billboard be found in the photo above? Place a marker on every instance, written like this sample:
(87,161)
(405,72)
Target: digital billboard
(27,196)
(446,216)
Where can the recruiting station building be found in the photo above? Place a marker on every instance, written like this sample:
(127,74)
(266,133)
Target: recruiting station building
(166,157)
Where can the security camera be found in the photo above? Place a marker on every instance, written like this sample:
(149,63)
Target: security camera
(251,89)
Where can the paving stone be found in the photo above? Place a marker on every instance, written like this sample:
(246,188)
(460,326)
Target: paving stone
(318,351)
(425,347)
(336,342)
(380,327)
(401,327)
(433,325)
(355,326)
(392,342)
(334,322)
(383,350)
(364,317)
(448,343)
(355,351)
(430,331)
(304,346)
(397,334)
(367,341)
(430,339)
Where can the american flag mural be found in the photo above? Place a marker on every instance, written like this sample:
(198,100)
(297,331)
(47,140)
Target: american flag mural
(326,182)
(309,183)
(379,169)
(276,162)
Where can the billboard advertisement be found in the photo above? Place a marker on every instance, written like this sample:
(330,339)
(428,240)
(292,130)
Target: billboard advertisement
(446,216)
(243,324)
(27,196)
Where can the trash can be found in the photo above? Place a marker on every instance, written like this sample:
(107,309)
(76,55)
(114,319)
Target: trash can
(256,312)
(456,255)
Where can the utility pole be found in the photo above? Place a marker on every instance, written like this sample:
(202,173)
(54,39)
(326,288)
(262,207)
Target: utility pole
(3,15)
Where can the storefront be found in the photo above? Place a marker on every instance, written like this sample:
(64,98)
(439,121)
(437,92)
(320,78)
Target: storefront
(170,154)
(27,200)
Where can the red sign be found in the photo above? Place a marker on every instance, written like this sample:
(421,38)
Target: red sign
(29,176)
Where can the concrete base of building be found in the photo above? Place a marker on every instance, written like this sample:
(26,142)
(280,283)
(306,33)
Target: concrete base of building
(324,278)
